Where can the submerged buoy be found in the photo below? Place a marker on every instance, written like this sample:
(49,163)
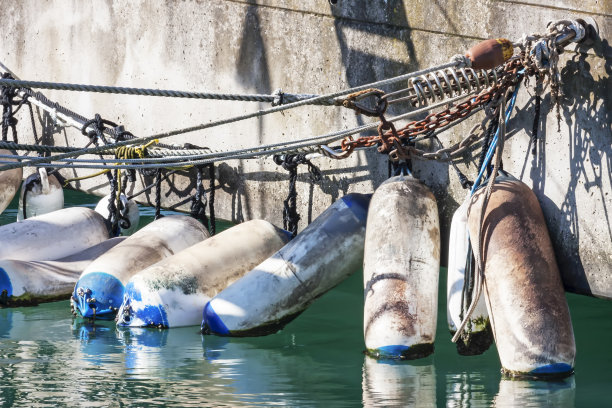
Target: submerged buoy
(53,235)
(281,287)
(480,336)
(173,292)
(129,213)
(40,194)
(525,297)
(9,182)
(401,270)
(99,291)
(32,282)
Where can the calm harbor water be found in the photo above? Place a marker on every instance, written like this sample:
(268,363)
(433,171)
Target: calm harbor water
(48,358)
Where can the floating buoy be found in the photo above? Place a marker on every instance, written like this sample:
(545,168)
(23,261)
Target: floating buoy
(129,212)
(388,383)
(401,268)
(525,297)
(40,194)
(53,235)
(9,182)
(173,292)
(99,290)
(32,282)
(281,287)
(489,54)
(480,335)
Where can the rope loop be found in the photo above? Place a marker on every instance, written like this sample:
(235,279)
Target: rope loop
(98,125)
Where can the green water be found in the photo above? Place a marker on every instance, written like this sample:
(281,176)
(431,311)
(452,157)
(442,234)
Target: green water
(47,358)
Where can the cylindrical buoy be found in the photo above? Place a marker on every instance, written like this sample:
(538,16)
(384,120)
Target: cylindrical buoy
(284,285)
(9,183)
(129,211)
(99,291)
(525,297)
(31,282)
(479,335)
(397,384)
(401,268)
(40,194)
(490,53)
(53,235)
(174,291)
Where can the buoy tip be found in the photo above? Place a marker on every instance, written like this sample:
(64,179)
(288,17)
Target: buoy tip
(212,322)
(98,295)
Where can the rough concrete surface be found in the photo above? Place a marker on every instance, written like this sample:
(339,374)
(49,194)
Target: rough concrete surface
(313,47)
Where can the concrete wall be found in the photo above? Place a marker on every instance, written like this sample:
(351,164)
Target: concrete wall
(309,46)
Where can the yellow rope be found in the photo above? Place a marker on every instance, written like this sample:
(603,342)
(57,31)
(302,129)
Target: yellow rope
(99,173)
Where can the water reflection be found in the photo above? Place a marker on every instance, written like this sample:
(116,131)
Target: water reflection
(558,394)
(402,383)
(469,389)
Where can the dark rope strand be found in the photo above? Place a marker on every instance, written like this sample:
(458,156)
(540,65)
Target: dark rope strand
(536,123)
(158,180)
(211,200)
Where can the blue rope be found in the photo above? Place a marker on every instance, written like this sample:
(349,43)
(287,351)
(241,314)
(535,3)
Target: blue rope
(493,145)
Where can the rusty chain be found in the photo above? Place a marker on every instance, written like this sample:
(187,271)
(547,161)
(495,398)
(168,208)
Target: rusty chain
(392,140)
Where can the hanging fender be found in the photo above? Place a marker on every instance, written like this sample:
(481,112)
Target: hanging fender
(480,336)
(100,288)
(129,211)
(401,270)
(53,235)
(174,291)
(522,285)
(40,194)
(284,285)
(31,282)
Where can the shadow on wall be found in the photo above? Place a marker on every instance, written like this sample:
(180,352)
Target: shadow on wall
(587,112)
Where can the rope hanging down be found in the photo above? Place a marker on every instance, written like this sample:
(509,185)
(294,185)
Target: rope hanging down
(290,163)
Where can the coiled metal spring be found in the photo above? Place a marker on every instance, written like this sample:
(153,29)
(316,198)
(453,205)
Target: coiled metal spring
(443,84)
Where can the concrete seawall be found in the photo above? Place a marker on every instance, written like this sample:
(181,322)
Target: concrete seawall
(313,47)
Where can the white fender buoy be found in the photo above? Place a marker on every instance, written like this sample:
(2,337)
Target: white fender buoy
(99,291)
(9,182)
(401,266)
(281,287)
(53,235)
(174,291)
(391,384)
(41,194)
(525,297)
(128,211)
(32,282)
(480,335)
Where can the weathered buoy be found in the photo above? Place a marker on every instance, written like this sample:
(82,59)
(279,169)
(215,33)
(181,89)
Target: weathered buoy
(480,336)
(489,54)
(9,182)
(31,282)
(388,383)
(401,268)
(53,235)
(40,194)
(99,291)
(281,287)
(174,291)
(129,213)
(525,297)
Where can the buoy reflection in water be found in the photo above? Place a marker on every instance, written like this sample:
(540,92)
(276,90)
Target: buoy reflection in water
(398,383)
